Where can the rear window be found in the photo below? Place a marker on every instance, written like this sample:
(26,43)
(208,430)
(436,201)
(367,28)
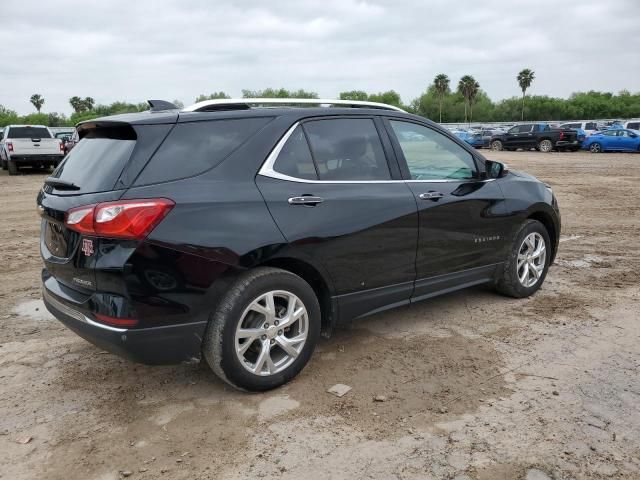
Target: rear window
(96,162)
(194,147)
(29,132)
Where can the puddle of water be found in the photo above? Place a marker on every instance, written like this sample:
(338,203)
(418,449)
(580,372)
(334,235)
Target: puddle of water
(33,309)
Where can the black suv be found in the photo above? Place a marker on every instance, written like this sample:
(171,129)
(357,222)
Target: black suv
(243,233)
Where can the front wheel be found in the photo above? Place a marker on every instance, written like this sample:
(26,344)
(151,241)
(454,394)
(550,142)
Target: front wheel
(595,147)
(527,263)
(496,145)
(545,146)
(263,331)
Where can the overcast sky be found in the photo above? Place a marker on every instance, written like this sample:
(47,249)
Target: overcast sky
(133,50)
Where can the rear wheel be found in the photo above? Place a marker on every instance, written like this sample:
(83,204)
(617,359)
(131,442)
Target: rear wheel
(528,262)
(545,146)
(595,147)
(496,145)
(13,167)
(4,164)
(264,330)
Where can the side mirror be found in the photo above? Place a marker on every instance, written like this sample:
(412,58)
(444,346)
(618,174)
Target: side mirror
(495,169)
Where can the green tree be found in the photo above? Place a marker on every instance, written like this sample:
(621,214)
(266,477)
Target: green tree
(88,103)
(178,104)
(77,104)
(441,84)
(468,88)
(390,97)
(212,96)
(354,95)
(278,93)
(37,100)
(525,78)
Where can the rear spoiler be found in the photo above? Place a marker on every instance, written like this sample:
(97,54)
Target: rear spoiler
(161,105)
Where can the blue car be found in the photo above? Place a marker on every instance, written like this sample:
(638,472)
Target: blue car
(473,139)
(615,140)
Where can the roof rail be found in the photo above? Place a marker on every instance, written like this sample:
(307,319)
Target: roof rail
(245,103)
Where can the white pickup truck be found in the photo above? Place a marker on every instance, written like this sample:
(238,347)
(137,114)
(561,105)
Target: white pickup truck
(29,145)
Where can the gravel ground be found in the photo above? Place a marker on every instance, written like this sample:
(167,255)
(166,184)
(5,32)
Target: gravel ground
(470,386)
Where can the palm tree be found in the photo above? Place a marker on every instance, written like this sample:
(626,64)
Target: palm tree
(77,104)
(88,103)
(441,83)
(468,88)
(525,77)
(37,100)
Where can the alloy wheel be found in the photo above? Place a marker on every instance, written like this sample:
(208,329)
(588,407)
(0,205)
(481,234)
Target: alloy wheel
(271,333)
(546,146)
(595,148)
(496,145)
(532,256)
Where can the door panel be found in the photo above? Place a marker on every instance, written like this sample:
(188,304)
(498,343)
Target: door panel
(463,220)
(365,234)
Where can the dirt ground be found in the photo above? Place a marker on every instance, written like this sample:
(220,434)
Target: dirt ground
(475,385)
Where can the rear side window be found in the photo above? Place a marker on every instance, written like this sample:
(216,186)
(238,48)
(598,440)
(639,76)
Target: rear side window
(29,132)
(633,126)
(591,126)
(295,158)
(347,149)
(96,162)
(194,147)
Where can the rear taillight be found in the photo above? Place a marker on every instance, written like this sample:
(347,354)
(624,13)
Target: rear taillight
(561,135)
(127,219)
(10,146)
(116,322)
(61,146)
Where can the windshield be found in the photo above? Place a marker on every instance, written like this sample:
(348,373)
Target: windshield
(29,132)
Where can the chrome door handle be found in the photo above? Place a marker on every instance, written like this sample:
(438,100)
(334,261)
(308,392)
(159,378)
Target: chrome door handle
(431,196)
(305,200)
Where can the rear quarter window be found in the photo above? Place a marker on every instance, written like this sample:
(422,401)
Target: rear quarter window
(195,147)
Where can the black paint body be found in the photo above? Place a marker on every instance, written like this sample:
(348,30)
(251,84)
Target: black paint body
(366,248)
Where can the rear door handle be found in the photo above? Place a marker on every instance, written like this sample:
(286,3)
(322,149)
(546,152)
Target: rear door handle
(431,196)
(309,200)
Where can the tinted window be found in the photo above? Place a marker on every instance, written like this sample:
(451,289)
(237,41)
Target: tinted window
(29,132)
(430,155)
(295,158)
(590,126)
(571,125)
(347,149)
(633,125)
(524,128)
(194,147)
(96,162)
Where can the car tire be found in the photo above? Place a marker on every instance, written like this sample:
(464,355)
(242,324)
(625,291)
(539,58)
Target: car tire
(496,145)
(13,167)
(595,147)
(4,164)
(526,267)
(545,146)
(234,346)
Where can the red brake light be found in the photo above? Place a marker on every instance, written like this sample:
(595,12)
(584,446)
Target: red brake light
(61,146)
(116,322)
(10,146)
(561,135)
(128,219)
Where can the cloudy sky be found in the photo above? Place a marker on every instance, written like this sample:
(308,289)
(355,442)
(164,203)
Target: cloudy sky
(138,49)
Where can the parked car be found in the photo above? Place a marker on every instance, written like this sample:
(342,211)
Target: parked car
(632,125)
(29,145)
(63,136)
(283,223)
(613,140)
(71,142)
(488,134)
(473,139)
(536,135)
(589,128)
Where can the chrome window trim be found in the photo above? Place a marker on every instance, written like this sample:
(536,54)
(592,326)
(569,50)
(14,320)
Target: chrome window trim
(75,314)
(267,169)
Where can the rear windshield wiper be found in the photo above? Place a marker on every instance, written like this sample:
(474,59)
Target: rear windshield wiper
(60,184)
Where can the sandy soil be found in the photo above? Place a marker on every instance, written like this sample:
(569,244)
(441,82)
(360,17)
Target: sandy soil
(476,386)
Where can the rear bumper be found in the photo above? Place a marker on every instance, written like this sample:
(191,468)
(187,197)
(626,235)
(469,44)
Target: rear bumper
(153,346)
(36,159)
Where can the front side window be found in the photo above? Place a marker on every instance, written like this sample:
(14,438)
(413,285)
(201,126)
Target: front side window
(610,133)
(347,149)
(523,128)
(432,156)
